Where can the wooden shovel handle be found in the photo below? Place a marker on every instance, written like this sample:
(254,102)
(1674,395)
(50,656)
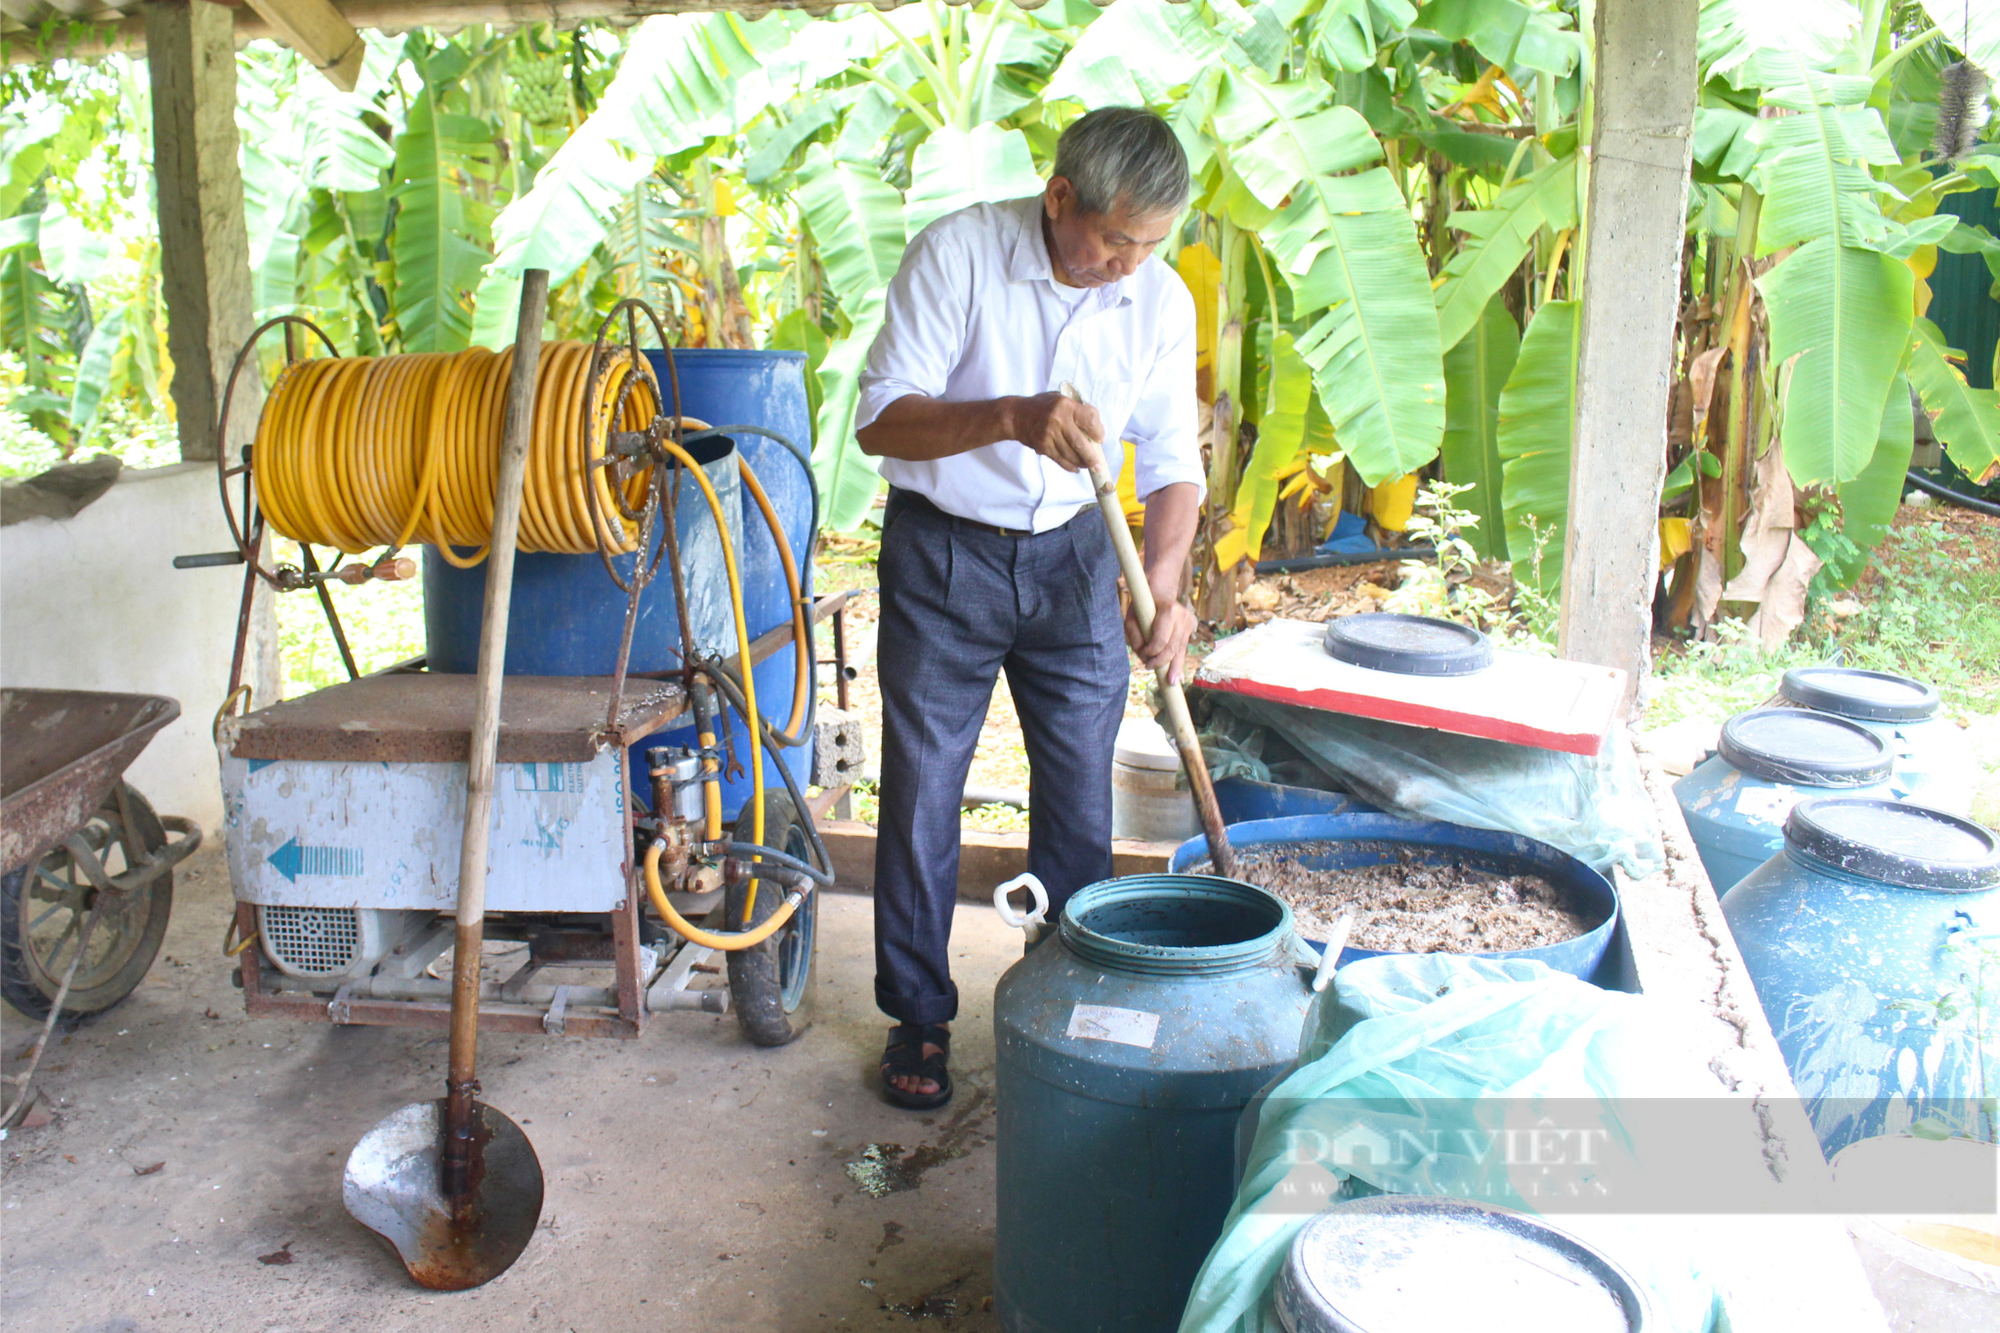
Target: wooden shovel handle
(1172,697)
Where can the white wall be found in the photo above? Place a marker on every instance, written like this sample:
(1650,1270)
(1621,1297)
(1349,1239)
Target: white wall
(94,603)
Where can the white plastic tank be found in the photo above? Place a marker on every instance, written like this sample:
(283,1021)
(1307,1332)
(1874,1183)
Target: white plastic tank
(1149,801)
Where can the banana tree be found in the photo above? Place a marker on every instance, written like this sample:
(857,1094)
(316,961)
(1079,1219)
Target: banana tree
(1815,226)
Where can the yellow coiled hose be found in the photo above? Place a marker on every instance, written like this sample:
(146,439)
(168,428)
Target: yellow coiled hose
(361,452)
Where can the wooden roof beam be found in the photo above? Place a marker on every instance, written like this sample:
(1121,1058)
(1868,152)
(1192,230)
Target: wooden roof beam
(319,32)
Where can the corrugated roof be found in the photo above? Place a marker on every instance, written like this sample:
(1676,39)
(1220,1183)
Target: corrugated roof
(89,27)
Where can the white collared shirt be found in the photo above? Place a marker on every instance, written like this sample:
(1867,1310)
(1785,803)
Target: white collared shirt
(975,313)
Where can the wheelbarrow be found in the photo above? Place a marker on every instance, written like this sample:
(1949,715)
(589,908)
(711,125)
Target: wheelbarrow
(89,866)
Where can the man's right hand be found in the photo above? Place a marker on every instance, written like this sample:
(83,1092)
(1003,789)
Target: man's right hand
(1060,429)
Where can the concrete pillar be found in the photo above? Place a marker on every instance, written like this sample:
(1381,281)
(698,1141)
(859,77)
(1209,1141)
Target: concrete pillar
(204,248)
(1639,156)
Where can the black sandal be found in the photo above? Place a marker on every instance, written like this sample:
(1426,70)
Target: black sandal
(904,1058)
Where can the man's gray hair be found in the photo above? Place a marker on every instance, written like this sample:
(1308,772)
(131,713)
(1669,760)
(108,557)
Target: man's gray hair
(1123,153)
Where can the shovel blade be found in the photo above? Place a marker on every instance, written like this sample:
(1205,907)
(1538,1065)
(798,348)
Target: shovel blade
(392,1188)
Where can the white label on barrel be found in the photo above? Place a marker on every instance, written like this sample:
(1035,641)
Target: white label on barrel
(1770,804)
(1103,1022)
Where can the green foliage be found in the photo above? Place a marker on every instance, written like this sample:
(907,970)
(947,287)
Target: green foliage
(436,251)
(1443,588)
(1845,313)
(1410,176)
(1499,239)
(1933,613)
(1966,419)
(1868,503)
(1475,371)
(1537,415)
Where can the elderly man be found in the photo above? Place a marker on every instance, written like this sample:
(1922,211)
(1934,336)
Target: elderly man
(994,554)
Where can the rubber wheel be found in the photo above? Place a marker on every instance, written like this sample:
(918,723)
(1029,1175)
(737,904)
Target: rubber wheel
(43,909)
(771,984)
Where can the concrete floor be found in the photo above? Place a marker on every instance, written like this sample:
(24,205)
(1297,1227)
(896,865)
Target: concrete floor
(693,1181)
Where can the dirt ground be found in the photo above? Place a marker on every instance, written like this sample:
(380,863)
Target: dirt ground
(693,1181)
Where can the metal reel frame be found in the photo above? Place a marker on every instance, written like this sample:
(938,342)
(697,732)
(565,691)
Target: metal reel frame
(249,534)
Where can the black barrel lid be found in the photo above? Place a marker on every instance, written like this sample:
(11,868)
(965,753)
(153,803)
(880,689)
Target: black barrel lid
(1408,645)
(1801,746)
(1895,842)
(1872,696)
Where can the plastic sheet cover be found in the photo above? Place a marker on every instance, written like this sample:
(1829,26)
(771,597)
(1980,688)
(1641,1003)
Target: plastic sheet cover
(1452,1050)
(1592,806)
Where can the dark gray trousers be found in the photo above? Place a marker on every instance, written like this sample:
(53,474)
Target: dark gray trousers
(959,604)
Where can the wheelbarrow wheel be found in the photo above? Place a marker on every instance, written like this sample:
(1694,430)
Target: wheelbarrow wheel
(771,984)
(43,909)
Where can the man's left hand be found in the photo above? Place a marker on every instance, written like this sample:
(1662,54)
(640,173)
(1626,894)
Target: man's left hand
(1173,626)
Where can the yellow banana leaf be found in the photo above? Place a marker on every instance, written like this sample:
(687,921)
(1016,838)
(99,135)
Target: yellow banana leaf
(1201,269)
(1676,540)
(1128,492)
(1482,94)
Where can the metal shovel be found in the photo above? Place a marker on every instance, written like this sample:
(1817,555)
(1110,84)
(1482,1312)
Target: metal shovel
(453,1184)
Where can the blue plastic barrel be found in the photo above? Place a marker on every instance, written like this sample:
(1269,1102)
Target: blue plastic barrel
(729,387)
(1865,938)
(1242,800)
(1736,800)
(1366,840)
(1128,1044)
(1934,763)
(567,616)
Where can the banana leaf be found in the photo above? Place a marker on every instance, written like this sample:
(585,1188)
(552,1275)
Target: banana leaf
(1841,317)
(72,254)
(956,168)
(1812,167)
(1347,32)
(93,372)
(1868,503)
(1508,33)
(1729,33)
(1497,241)
(1281,437)
(797,332)
(1294,141)
(772,146)
(1537,421)
(1475,371)
(436,247)
(1347,244)
(847,477)
(673,89)
(1965,419)
(1975,28)
(1136,54)
(857,222)
(1201,269)
(31,317)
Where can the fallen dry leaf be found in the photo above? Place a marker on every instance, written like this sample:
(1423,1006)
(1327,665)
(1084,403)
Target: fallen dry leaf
(152,1170)
(282,1255)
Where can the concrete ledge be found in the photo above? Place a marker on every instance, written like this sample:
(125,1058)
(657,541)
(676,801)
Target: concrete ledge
(984,859)
(1782,1270)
